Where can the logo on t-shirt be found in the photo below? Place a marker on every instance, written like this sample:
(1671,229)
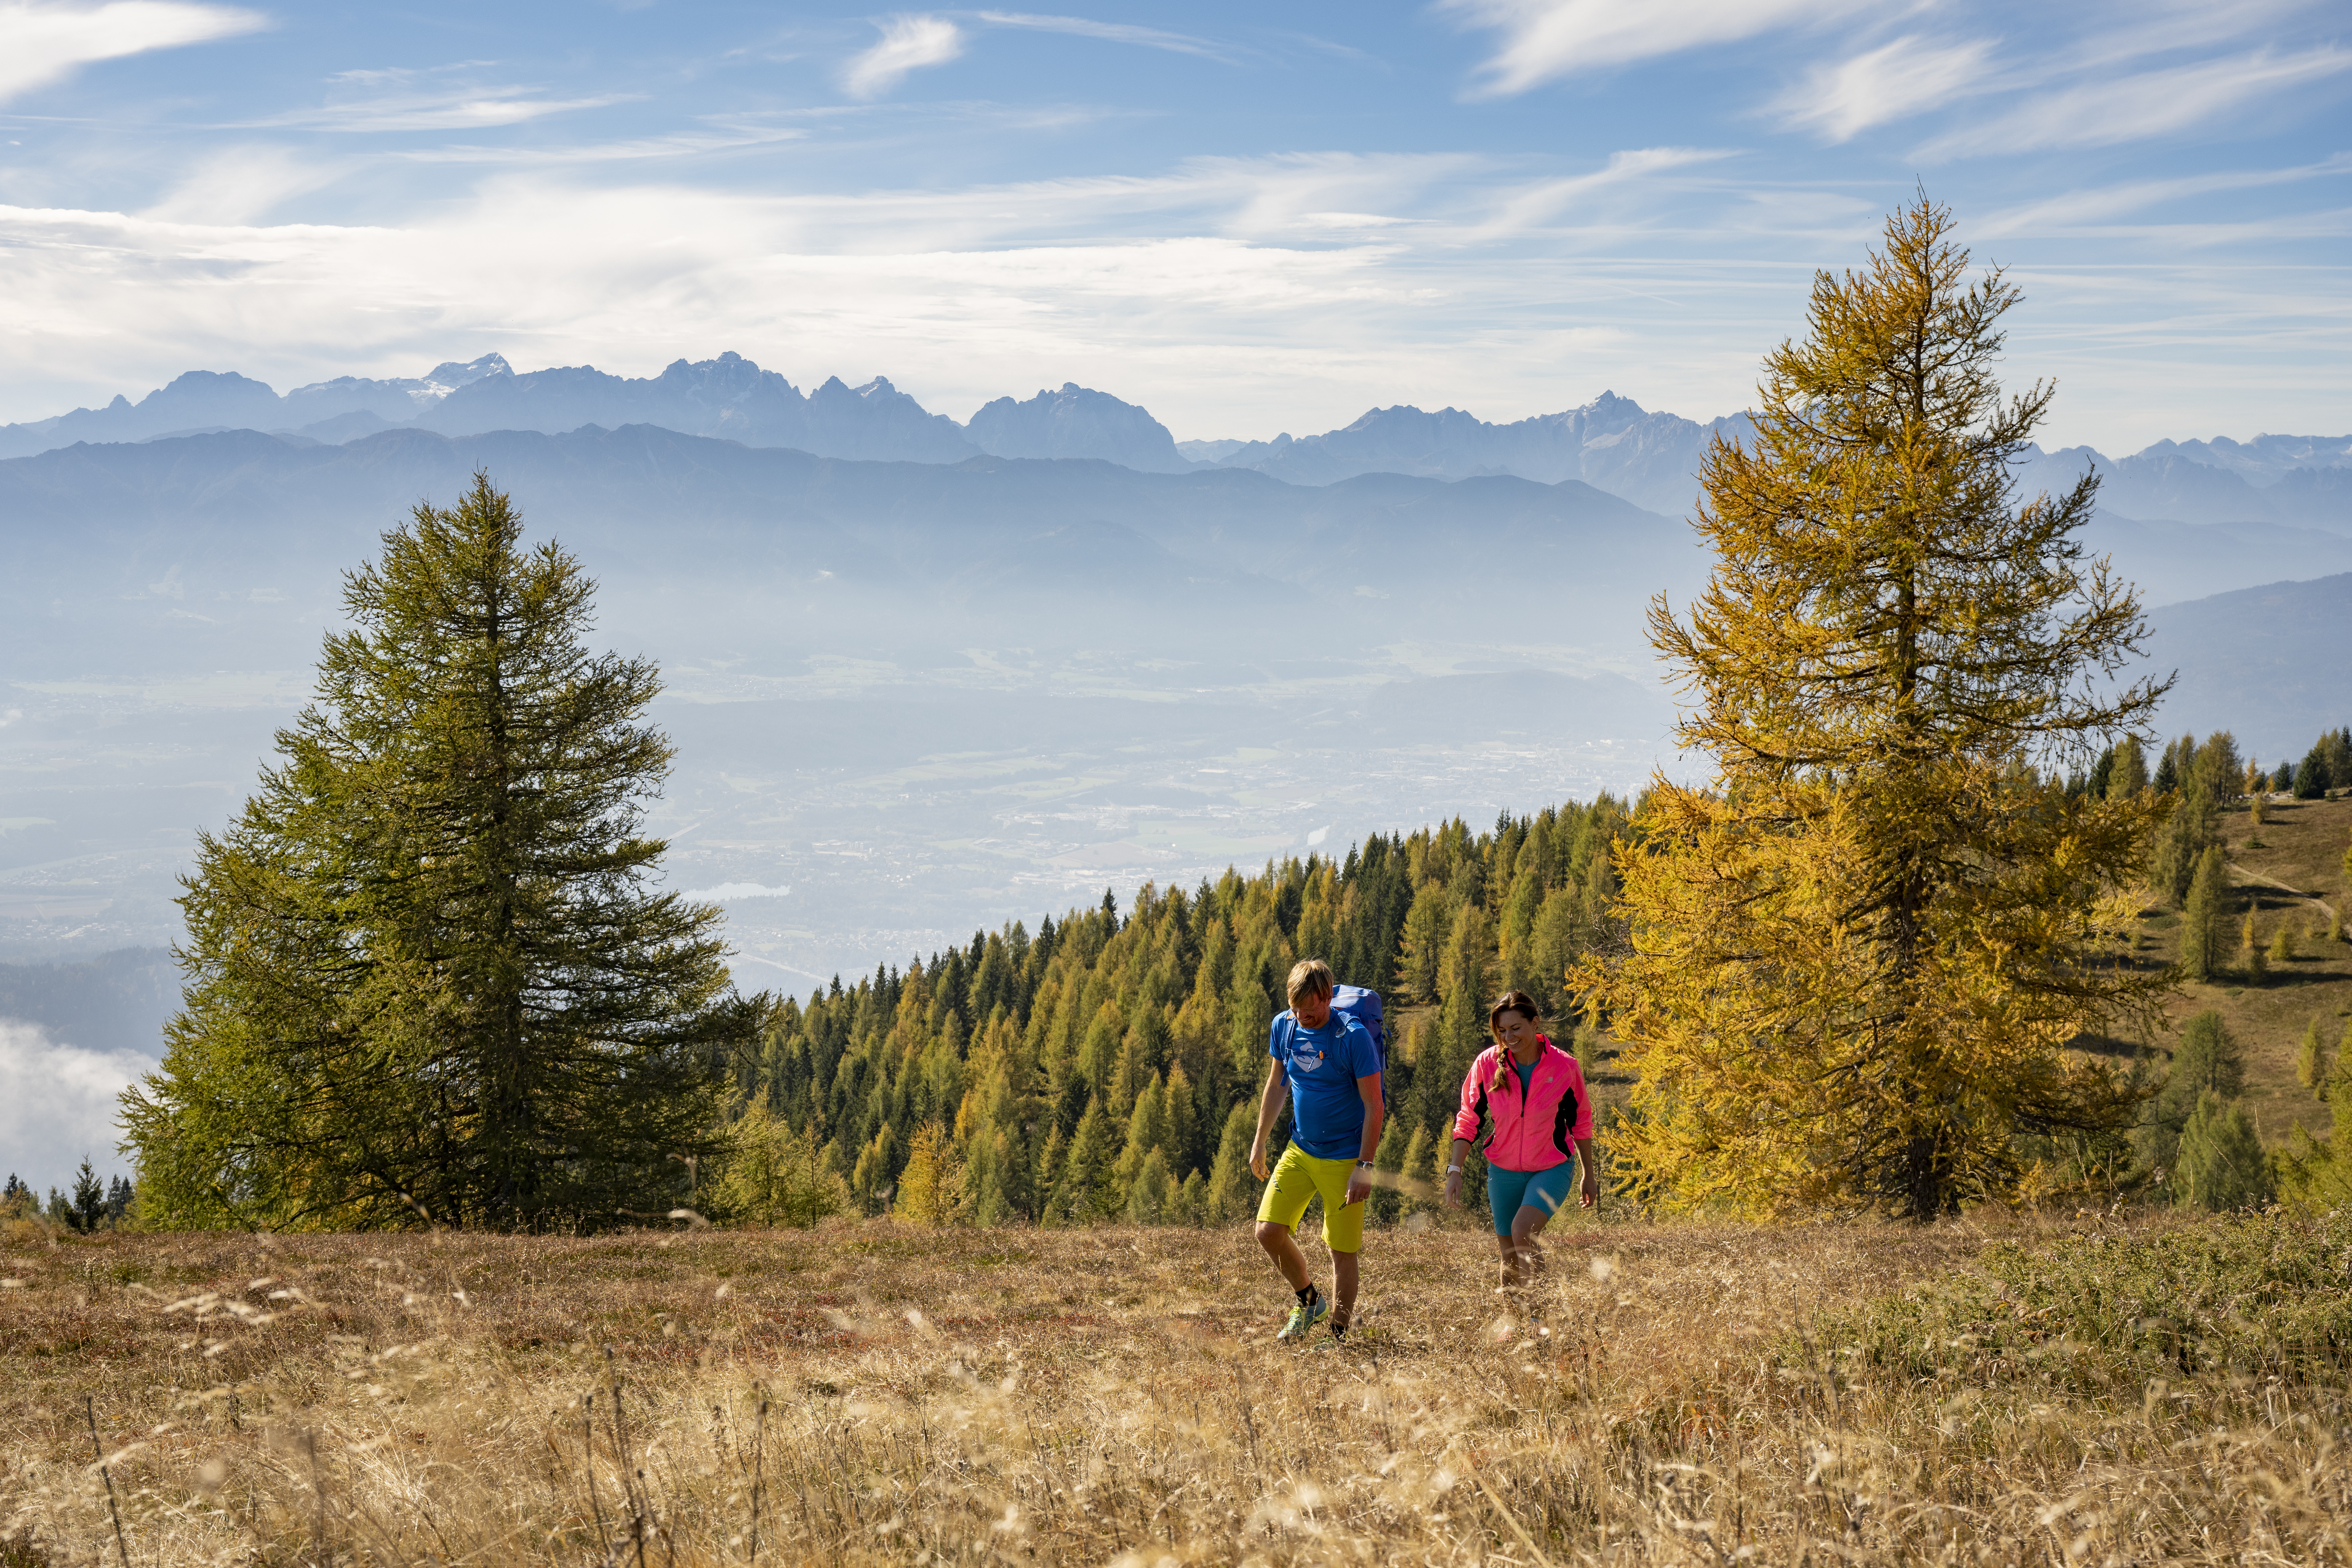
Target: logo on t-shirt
(1307,1058)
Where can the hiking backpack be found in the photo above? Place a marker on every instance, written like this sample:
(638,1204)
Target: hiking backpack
(1364,1006)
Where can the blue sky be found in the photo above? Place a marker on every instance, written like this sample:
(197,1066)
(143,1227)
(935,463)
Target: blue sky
(1249,218)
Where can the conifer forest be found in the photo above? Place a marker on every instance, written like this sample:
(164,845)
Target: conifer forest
(1107,1066)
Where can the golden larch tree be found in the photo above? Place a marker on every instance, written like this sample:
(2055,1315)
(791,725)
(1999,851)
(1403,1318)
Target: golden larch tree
(1859,956)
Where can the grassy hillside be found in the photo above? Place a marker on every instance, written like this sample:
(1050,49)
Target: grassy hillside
(2294,877)
(876,1393)
(2289,872)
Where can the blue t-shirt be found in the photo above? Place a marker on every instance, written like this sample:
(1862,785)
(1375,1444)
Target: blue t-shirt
(1327,1110)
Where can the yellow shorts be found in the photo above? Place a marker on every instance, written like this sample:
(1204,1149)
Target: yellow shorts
(1297,1178)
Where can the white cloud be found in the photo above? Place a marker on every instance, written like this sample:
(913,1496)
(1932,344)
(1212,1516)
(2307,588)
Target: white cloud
(458,108)
(908,44)
(2111,110)
(637,150)
(728,892)
(2076,210)
(1547,39)
(1230,296)
(1112,32)
(240,184)
(1533,206)
(42,41)
(57,1104)
(1910,76)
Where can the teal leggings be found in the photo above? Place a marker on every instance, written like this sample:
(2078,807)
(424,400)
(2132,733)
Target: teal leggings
(1508,1192)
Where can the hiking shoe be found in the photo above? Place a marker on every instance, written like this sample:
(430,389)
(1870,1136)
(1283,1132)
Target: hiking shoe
(1303,1318)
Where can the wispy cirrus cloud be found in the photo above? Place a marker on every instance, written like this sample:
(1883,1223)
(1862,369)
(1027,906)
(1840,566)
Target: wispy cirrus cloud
(1841,98)
(907,45)
(2107,110)
(2076,210)
(241,185)
(686,144)
(1545,40)
(1532,206)
(1111,32)
(454,109)
(43,41)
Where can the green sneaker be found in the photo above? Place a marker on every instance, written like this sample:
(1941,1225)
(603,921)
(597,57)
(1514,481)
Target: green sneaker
(1303,1318)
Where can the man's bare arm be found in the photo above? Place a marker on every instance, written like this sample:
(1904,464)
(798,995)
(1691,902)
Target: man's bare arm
(1359,1184)
(1269,1105)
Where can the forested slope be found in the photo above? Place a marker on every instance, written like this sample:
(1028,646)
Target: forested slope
(1110,1063)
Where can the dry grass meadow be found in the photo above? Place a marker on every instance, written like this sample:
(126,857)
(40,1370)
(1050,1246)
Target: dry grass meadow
(875,1393)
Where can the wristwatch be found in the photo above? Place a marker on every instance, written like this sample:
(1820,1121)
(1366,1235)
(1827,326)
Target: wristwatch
(1452,1170)
(1363,1165)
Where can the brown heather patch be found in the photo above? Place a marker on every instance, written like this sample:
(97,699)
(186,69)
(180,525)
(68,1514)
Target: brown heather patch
(1109,1395)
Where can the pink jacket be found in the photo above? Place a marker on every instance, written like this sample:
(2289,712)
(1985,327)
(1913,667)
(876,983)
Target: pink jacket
(1533,1132)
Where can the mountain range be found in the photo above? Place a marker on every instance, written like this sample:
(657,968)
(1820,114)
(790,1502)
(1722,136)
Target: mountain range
(1648,457)
(222,552)
(179,540)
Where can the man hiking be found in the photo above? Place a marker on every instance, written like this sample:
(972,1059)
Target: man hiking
(1329,1068)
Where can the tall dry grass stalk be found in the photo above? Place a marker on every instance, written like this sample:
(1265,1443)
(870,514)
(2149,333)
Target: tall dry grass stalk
(872,1394)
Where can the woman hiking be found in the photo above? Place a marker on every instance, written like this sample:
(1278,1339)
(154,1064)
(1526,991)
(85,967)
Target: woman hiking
(1533,1093)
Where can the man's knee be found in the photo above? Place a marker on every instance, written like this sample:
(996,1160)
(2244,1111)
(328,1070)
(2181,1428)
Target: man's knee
(1272,1233)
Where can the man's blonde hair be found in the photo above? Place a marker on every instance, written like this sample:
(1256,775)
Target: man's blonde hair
(1309,976)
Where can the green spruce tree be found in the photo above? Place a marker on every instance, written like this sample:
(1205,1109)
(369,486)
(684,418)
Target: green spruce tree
(1181,1140)
(2193,828)
(1149,1196)
(2203,933)
(2208,1060)
(1387,1202)
(1427,925)
(876,1176)
(429,978)
(1193,1200)
(2129,775)
(2315,776)
(1421,1162)
(1233,1186)
(1147,1133)
(2221,1162)
(1467,984)
(1084,1191)
(84,1210)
